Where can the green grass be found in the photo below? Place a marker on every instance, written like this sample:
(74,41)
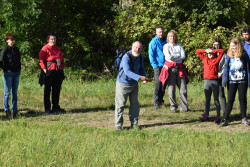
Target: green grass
(85,135)
(32,144)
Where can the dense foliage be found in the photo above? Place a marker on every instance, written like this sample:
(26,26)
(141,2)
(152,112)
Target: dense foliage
(196,22)
(89,31)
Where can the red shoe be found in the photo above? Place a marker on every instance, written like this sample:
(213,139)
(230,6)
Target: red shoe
(205,118)
(217,120)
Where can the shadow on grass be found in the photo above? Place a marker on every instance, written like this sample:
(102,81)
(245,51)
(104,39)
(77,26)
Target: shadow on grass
(168,123)
(234,117)
(32,113)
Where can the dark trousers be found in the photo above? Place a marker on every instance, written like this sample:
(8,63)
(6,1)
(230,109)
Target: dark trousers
(159,89)
(242,90)
(53,80)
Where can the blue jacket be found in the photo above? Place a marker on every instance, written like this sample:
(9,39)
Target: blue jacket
(246,64)
(247,48)
(130,73)
(155,52)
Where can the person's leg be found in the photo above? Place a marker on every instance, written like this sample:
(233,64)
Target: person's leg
(121,96)
(134,107)
(222,97)
(181,83)
(56,88)
(208,93)
(158,94)
(7,82)
(215,89)
(242,90)
(171,81)
(15,83)
(232,89)
(47,90)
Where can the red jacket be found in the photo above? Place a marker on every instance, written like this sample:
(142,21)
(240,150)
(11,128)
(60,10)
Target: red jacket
(50,53)
(210,65)
(167,65)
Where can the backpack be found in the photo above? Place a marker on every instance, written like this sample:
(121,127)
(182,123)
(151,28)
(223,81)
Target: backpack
(118,58)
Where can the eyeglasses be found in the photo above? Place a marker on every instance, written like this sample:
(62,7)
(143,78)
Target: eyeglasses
(12,39)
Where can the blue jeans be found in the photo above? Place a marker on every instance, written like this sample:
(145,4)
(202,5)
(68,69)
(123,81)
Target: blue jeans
(11,82)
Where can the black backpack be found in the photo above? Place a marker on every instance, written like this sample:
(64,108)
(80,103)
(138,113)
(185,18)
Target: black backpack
(118,58)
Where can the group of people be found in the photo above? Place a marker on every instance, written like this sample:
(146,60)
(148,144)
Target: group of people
(229,69)
(51,62)
(166,55)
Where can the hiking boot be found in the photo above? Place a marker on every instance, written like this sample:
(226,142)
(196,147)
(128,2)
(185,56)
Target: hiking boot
(8,114)
(245,121)
(157,106)
(217,120)
(205,118)
(15,114)
(224,123)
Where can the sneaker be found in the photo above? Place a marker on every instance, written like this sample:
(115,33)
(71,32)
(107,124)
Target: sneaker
(217,120)
(59,110)
(205,118)
(245,121)
(174,110)
(118,128)
(224,123)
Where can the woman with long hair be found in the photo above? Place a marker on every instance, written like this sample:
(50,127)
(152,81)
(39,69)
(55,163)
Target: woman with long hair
(236,76)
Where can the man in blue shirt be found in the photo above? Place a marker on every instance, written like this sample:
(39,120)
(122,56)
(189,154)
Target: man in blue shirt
(246,36)
(157,60)
(131,71)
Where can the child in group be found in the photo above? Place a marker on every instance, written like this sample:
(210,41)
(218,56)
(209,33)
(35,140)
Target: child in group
(217,44)
(211,82)
(236,76)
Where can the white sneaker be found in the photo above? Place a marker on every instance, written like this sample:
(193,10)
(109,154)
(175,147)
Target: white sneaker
(245,122)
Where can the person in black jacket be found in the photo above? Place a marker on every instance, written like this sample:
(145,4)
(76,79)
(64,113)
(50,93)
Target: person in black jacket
(11,64)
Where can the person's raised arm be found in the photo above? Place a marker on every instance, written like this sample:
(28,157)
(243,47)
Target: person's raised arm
(200,53)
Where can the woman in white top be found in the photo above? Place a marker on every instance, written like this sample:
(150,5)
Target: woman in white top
(174,55)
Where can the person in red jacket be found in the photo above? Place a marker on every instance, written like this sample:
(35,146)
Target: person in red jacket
(52,63)
(211,82)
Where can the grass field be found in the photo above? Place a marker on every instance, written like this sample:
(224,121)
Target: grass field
(85,135)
